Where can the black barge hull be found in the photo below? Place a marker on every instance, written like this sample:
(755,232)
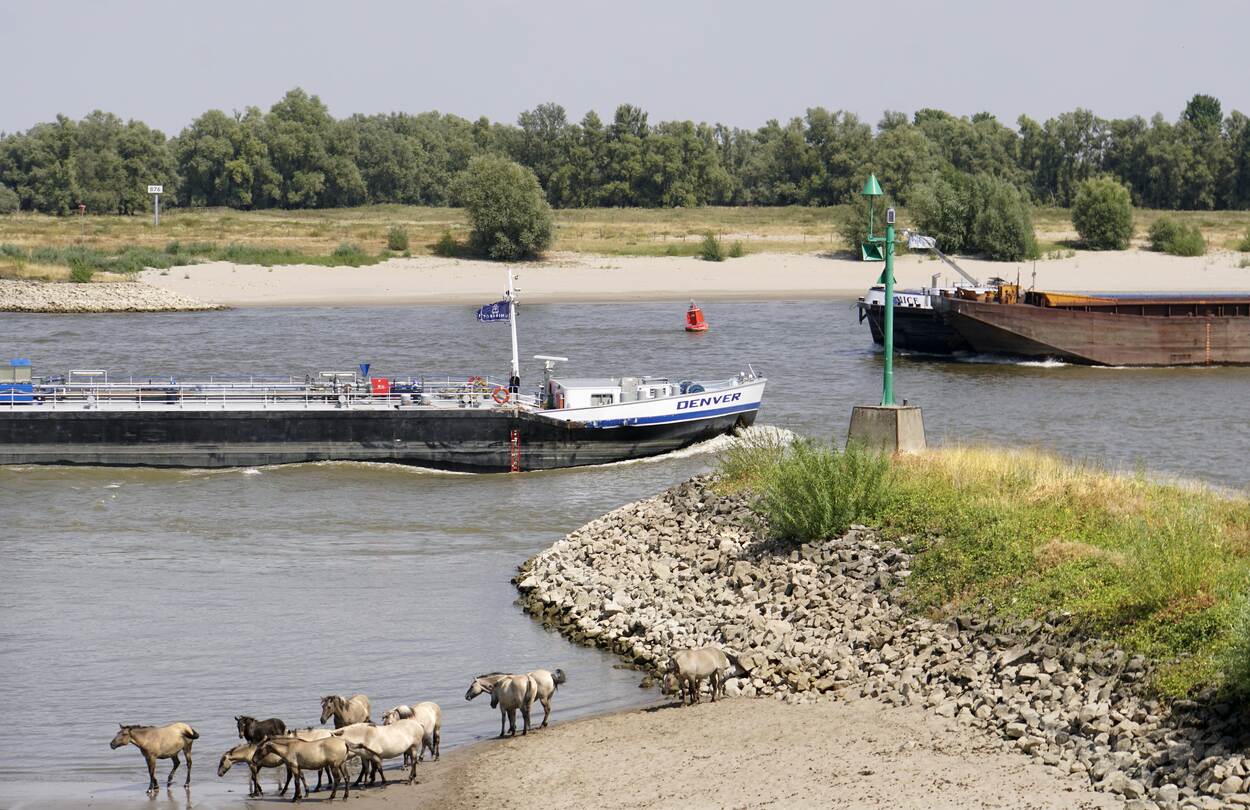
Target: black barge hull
(467,440)
(915,330)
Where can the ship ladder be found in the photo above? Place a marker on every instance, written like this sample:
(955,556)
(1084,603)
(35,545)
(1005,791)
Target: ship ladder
(515,465)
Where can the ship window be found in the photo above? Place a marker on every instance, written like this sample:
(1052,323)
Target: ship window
(602,399)
(652,394)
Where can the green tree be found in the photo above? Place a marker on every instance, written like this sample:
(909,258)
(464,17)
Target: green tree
(1103,214)
(1203,113)
(506,207)
(9,201)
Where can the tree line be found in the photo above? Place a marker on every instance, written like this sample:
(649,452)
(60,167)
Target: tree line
(296,155)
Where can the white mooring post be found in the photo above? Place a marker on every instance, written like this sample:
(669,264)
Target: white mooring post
(156,192)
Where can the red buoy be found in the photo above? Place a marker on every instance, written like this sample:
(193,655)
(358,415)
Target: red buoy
(694,319)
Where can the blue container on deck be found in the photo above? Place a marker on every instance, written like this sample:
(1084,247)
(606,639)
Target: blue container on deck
(15,384)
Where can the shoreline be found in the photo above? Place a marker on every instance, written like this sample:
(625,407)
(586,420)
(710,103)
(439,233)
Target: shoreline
(586,278)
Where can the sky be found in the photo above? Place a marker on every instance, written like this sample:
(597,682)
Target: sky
(738,63)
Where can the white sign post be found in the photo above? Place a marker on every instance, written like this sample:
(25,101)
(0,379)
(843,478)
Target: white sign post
(156,192)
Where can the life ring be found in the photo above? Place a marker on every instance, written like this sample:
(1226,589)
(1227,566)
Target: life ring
(501,395)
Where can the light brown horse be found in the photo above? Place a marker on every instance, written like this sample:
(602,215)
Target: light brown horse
(297,755)
(430,716)
(545,683)
(246,753)
(507,693)
(159,742)
(345,711)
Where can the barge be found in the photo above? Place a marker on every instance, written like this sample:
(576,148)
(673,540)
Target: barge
(1109,329)
(465,423)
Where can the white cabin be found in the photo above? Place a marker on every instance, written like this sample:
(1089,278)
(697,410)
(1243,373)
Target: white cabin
(591,392)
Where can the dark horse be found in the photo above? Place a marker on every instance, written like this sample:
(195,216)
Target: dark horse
(255,731)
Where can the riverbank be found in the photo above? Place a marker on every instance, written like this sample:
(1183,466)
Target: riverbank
(115,296)
(826,620)
(573,277)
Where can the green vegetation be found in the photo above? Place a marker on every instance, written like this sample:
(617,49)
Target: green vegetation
(446,246)
(1103,214)
(397,238)
(296,155)
(1169,236)
(975,214)
(80,273)
(1161,568)
(1244,244)
(505,205)
(736,250)
(9,201)
(711,249)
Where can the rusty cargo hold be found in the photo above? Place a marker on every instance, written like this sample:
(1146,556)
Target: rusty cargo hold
(1112,329)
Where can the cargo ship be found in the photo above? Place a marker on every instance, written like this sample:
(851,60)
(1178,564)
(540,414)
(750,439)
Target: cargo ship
(1109,329)
(917,325)
(464,423)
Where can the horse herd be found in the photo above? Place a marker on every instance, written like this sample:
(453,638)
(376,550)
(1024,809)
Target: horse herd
(407,731)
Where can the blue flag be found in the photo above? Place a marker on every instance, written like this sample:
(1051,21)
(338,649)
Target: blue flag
(498,311)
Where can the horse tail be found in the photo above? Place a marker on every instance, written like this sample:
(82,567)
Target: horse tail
(558,677)
(357,748)
(191,734)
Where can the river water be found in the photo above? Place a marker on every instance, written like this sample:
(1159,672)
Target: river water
(144,596)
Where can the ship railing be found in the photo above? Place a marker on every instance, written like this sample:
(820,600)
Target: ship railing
(242,394)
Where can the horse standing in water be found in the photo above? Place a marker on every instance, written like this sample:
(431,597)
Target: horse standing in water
(255,731)
(159,742)
(345,711)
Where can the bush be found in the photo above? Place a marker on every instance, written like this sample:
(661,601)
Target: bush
(711,249)
(1103,214)
(446,246)
(1168,236)
(736,251)
(813,491)
(976,214)
(1244,245)
(9,201)
(507,209)
(80,273)
(397,238)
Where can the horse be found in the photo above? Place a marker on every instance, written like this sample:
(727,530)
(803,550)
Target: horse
(430,715)
(401,738)
(687,669)
(507,693)
(546,682)
(245,752)
(345,711)
(330,753)
(159,742)
(254,730)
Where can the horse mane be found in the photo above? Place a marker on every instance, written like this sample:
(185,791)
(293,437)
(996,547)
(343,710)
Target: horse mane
(489,675)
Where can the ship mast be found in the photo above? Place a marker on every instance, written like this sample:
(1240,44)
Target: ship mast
(512,300)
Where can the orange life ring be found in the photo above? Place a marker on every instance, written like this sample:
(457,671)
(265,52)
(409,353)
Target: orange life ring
(501,395)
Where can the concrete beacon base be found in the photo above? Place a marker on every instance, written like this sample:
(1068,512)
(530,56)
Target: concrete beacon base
(892,428)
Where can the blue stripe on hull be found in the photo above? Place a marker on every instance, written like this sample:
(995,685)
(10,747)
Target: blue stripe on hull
(688,416)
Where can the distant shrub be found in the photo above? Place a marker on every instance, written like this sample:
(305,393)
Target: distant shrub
(711,249)
(347,249)
(9,201)
(1169,236)
(397,238)
(80,273)
(1244,244)
(173,248)
(814,491)
(507,208)
(1103,214)
(736,251)
(446,246)
(12,251)
(975,214)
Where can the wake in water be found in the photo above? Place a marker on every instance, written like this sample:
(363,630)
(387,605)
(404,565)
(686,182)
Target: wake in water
(770,433)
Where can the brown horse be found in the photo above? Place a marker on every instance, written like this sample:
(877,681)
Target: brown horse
(159,742)
(345,711)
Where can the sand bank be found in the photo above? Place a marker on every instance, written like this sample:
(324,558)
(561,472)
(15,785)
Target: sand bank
(579,277)
(742,753)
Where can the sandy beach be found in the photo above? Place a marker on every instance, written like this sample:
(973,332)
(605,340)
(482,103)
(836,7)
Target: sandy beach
(580,277)
(743,753)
